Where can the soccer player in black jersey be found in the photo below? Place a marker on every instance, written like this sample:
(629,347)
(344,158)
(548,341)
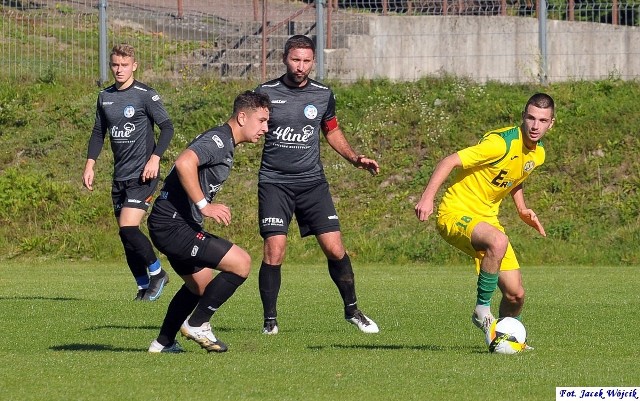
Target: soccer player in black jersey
(176,226)
(127,111)
(292,181)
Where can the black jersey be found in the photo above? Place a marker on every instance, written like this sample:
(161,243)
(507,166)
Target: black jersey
(128,116)
(291,151)
(215,149)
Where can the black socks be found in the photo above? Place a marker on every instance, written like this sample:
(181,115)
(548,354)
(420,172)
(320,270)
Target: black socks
(179,309)
(269,280)
(215,294)
(341,273)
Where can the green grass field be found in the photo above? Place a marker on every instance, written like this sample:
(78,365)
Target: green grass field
(71,332)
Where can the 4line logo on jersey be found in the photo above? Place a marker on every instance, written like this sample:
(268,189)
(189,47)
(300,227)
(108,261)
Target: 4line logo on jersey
(123,133)
(288,135)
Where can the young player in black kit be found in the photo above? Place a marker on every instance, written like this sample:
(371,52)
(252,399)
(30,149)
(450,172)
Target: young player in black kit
(292,180)
(127,111)
(176,227)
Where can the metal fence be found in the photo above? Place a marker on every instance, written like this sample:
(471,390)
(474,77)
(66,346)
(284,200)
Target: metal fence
(613,11)
(229,38)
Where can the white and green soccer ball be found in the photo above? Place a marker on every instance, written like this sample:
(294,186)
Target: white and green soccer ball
(507,335)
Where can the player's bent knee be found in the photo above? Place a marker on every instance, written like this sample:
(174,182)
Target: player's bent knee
(130,236)
(500,244)
(515,297)
(244,268)
(128,233)
(334,251)
(237,261)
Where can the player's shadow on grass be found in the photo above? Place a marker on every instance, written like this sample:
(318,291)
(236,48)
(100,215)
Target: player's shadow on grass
(93,347)
(122,327)
(38,298)
(146,327)
(437,348)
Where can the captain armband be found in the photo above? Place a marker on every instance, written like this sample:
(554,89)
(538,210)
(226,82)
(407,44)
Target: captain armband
(330,124)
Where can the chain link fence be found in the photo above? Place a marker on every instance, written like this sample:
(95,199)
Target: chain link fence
(232,39)
(610,11)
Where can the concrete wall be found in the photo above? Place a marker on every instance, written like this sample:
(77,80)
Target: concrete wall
(504,49)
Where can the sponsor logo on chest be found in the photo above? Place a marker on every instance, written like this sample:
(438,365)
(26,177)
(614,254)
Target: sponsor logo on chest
(288,134)
(125,132)
(502,180)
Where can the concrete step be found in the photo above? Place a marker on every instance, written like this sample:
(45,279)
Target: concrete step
(252,71)
(250,51)
(225,34)
(240,41)
(240,55)
(273,43)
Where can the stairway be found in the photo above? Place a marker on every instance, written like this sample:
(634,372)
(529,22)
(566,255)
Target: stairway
(226,43)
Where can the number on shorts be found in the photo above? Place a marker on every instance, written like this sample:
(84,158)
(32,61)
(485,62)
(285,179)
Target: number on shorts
(465,219)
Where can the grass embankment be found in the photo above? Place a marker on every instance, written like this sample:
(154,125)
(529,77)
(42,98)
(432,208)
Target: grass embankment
(585,194)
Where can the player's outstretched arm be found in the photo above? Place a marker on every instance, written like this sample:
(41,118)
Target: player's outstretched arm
(527,215)
(424,208)
(365,163)
(338,142)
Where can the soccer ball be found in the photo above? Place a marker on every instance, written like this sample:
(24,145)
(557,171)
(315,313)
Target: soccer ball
(506,336)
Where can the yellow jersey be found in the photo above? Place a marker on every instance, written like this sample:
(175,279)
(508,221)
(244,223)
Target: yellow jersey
(490,170)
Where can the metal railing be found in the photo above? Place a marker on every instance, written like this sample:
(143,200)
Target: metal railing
(231,38)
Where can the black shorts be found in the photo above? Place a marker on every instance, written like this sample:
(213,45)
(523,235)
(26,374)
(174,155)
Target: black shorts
(132,193)
(310,202)
(188,249)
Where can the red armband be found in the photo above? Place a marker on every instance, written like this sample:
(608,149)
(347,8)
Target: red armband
(330,124)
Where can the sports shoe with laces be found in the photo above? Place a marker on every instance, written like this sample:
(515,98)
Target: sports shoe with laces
(156,348)
(203,336)
(156,285)
(140,294)
(270,327)
(365,324)
(483,323)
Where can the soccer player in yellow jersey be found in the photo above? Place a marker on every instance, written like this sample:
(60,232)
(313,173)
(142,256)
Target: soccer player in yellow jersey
(467,216)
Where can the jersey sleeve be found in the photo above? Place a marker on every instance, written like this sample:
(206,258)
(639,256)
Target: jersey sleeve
(166,133)
(331,107)
(96,141)
(155,108)
(490,149)
(209,148)
(159,116)
(329,119)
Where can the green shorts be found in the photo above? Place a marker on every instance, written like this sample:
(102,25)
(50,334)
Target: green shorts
(456,229)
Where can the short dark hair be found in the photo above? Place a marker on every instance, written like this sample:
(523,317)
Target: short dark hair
(541,101)
(299,42)
(251,101)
